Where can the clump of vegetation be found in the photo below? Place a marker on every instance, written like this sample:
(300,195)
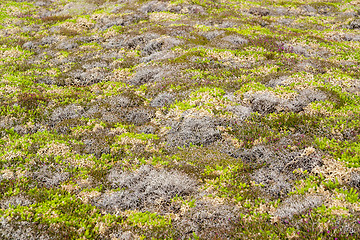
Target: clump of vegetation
(271,44)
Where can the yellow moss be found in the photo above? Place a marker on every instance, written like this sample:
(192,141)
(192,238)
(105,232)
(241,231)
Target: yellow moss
(301,81)
(121,75)
(9,54)
(86,196)
(338,203)
(152,148)
(80,25)
(332,169)
(205,99)
(127,140)
(89,48)
(319,108)
(164,16)
(56,91)
(7,174)
(84,23)
(110,34)
(21,173)
(87,162)
(70,188)
(117,131)
(54,149)
(103,228)
(12,154)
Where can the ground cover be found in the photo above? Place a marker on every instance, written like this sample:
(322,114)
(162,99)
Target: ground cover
(185,119)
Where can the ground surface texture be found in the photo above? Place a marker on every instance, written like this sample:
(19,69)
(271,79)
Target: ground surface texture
(183,119)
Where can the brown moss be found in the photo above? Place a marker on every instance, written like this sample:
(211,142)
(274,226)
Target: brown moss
(53,19)
(31,100)
(68,32)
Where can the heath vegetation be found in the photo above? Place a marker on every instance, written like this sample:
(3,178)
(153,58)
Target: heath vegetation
(179,119)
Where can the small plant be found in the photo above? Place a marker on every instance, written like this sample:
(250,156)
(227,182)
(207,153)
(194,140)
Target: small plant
(148,219)
(31,100)
(331,184)
(346,151)
(68,32)
(53,19)
(351,195)
(271,44)
(311,182)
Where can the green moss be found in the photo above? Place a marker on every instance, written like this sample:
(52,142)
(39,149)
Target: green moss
(64,210)
(141,136)
(252,86)
(348,152)
(148,219)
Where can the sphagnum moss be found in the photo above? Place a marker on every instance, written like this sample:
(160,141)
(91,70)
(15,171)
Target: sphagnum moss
(179,119)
